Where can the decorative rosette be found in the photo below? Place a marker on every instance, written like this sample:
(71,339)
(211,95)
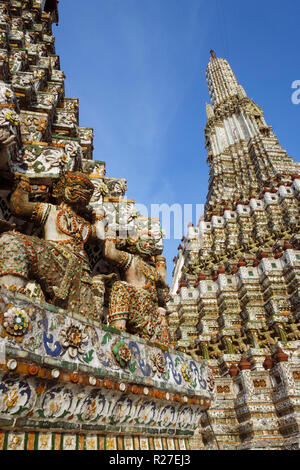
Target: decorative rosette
(186,372)
(158,363)
(16,322)
(74,340)
(122,352)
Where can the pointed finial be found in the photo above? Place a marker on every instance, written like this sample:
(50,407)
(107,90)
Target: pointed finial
(213,54)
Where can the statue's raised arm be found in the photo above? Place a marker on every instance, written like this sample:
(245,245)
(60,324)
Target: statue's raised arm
(19,201)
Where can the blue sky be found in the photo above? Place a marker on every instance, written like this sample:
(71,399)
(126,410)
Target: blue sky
(138,68)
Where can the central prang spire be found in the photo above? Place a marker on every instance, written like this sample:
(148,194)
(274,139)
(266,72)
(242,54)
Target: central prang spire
(244,154)
(222,82)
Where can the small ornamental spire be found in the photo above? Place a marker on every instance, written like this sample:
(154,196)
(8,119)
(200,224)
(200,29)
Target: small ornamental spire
(213,54)
(241,92)
(209,111)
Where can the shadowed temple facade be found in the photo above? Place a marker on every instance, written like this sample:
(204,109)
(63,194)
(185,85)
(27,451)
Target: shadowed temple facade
(86,358)
(96,352)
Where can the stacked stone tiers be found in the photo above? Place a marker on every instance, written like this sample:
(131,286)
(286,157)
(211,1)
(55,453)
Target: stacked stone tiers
(62,375)
(45,125)
(230,286)
(32,87)
(255,407)
(236,278)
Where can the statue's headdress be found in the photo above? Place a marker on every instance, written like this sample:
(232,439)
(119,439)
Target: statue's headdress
(71,176)
(144,244)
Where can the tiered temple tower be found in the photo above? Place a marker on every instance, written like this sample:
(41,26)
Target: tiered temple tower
(68,379)
(236,298)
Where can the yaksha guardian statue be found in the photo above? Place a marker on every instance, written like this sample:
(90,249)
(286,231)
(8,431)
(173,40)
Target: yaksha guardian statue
(138,301)
(58,262)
